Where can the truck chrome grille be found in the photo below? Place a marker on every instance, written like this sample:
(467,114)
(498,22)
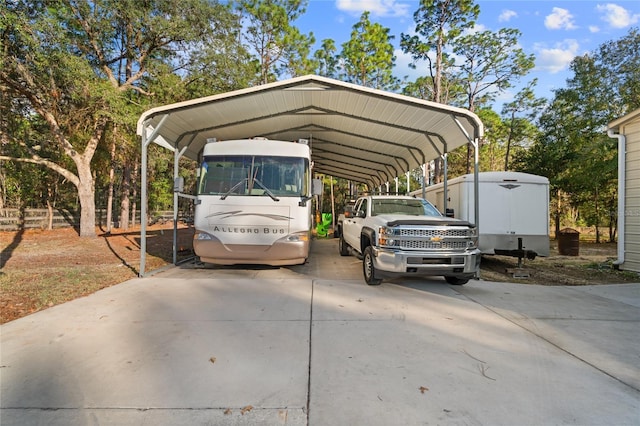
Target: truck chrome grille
(440,238)
(421,233)
(429,245)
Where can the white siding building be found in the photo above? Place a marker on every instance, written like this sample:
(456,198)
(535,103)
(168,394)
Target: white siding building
(627,130)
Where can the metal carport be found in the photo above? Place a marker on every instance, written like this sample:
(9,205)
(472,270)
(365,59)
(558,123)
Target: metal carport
(356,133)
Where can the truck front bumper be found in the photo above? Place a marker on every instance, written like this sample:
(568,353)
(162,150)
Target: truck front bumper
(446,263)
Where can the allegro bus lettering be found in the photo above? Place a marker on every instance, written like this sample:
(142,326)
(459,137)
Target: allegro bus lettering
(237,230)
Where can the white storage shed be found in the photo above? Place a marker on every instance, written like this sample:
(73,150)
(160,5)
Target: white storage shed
(627,130)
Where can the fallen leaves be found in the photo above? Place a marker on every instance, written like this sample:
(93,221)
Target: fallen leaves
(423,389)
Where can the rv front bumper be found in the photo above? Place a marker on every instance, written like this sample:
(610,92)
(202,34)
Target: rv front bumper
(290,250)
(446,263)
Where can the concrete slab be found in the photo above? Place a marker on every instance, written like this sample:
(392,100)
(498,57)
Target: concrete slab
(419,354)
(188,348)
(314,345)
(596,324)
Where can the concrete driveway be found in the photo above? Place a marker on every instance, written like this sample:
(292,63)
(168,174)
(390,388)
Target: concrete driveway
(314,345)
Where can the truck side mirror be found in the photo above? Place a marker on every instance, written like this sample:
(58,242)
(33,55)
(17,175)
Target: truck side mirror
(449,213)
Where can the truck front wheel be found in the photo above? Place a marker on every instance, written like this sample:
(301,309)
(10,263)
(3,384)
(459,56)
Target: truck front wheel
(367,267)
(456,280)
(343,247)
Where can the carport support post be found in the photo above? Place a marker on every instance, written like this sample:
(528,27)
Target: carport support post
(445,184)
(143,203)
(476,186)
(176,170)
(143,192)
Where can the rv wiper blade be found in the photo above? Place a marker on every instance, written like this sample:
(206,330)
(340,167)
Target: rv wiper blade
(236,186)
(269,193)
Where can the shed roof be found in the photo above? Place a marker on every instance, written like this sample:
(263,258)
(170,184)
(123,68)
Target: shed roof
(357,133)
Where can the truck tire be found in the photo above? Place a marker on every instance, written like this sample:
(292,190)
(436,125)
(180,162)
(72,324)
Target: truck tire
(343,247)
(456,281)
(368,269)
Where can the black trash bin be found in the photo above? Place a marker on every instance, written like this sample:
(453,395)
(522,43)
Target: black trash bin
(569,242)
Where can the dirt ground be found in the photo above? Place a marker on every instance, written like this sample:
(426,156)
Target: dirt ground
(39,269)
(593,265)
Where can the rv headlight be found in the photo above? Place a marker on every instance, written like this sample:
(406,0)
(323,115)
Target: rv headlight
(297,237)
(202,236)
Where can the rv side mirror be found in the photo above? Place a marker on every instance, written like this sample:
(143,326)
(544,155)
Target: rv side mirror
(178,184)
(449,213)
(316,187)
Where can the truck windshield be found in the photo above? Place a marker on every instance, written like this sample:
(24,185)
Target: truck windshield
(232,175)
(413,207)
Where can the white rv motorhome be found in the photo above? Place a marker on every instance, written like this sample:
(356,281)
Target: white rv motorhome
(253,203)
(514,210)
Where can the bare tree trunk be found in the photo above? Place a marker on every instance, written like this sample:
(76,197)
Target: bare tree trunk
(124,197)
(87,197)
(111,178)
(50,213)
(3,191)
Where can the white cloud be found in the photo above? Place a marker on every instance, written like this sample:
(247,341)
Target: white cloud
(506,15)
(403,69)
(559,19)
(594,29)
(617,16)
(557,58)
(375,7)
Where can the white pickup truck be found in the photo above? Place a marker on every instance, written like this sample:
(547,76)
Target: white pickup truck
(403,235)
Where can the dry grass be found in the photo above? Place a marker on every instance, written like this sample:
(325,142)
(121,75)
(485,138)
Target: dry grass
(40,269)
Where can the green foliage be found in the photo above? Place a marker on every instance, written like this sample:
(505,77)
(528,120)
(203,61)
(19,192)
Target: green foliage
(280,47)
(492,61)
(76,75)
(367,57)
(326,59)
(438,23)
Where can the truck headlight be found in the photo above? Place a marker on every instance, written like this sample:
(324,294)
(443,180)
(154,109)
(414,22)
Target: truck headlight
(473,241)
(386,236)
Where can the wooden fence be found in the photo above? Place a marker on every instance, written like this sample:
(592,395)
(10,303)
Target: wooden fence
(16,219)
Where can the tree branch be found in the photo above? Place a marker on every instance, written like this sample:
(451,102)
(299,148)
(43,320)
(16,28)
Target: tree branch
(71,177)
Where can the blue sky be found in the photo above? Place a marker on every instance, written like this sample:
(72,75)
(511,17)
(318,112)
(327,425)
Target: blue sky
(554,31)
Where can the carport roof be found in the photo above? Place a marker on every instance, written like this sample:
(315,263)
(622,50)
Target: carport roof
(357,133)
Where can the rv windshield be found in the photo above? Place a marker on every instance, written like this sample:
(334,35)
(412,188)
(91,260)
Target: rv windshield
(232,175)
